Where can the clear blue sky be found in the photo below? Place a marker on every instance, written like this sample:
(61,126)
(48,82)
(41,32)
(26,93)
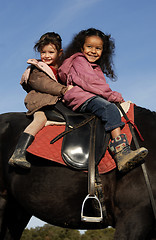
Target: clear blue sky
(131,24)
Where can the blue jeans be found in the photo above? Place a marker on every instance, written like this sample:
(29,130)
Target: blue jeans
(106,111)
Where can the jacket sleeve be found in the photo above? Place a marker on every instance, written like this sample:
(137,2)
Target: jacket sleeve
(41,82)
(84,76)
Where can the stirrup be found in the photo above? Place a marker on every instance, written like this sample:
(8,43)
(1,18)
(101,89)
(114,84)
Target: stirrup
(87,218)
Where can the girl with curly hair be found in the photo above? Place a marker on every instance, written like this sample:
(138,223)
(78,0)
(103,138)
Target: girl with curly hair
(87,59)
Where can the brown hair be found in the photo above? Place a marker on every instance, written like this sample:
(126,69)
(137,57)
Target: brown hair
(47,38)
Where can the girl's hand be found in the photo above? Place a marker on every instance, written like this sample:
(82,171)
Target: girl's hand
(70,87)
(121,101)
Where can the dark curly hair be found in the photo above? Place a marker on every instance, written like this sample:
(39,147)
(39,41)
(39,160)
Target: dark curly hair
(47,38)
(106,61)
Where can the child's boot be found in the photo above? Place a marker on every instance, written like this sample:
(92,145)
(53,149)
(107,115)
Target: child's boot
(19,156)
(125,158)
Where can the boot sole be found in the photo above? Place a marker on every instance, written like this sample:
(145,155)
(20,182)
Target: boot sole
(21,164)
(11,163)
(135,162)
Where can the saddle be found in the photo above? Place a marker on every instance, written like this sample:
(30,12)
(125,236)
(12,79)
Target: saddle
(83,146)
(77,136)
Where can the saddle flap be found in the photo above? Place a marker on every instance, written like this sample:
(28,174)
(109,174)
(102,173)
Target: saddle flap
(76,144)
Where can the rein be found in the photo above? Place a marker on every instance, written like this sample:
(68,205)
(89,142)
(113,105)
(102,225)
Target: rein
(72,128)
(144,169)
(135,126)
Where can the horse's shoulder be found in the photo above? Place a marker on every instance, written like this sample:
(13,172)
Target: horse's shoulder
(14,119)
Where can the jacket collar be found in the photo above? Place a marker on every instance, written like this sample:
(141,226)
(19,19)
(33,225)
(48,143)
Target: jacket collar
(40,65)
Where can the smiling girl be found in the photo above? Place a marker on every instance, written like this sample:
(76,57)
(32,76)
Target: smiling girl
(41,83)
(88,57)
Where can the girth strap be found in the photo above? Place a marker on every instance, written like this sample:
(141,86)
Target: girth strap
(144,169)
(100,193)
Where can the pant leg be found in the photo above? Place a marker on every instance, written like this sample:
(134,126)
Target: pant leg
(106,111)
(37,124)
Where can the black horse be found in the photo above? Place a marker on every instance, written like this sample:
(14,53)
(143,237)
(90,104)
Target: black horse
(54,193)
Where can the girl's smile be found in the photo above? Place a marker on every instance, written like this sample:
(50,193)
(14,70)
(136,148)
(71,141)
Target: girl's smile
(49,54)
(93,48)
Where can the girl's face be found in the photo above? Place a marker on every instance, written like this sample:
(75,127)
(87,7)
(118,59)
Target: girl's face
(93,48)
(50,55)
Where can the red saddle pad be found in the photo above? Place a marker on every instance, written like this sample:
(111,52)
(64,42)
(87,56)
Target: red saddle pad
(41,145)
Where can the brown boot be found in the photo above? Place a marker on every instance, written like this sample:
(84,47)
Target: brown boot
(19,156)
(125,158)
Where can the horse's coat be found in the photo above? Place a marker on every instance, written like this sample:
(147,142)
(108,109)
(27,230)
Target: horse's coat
(55,193)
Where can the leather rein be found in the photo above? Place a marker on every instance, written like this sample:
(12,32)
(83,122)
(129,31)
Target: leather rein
(144,169)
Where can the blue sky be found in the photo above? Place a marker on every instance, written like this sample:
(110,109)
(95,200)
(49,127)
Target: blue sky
(131,24)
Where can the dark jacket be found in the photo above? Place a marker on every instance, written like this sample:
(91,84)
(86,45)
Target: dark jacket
(42,86)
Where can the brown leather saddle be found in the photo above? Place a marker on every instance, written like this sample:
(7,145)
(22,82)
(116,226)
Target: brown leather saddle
(76,137)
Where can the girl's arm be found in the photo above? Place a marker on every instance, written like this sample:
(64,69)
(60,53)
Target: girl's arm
(84,76)
(41,82)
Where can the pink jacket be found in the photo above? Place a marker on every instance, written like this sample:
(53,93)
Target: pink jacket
(88,81)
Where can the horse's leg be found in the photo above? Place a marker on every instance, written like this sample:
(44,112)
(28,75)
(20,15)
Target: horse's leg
(135,225)
(15,221)
(3,191)
(3,203)
(3,129)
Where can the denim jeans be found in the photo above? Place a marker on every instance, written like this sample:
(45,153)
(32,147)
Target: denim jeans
(106,111)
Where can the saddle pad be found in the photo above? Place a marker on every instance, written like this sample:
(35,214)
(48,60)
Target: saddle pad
(41,146)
